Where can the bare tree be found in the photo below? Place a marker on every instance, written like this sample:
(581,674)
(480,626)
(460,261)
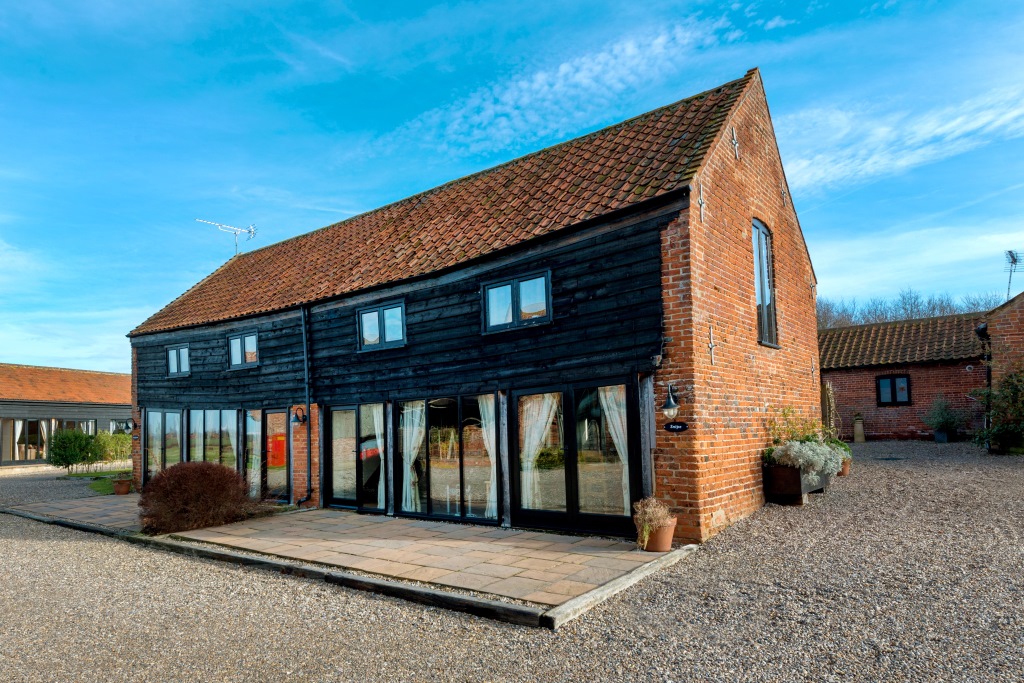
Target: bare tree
(906,305)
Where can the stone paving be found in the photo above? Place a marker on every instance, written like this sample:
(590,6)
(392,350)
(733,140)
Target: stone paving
(113,512)
(542,568)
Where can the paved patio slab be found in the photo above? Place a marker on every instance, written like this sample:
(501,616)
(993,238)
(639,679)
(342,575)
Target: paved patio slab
(119,513)
(542,568)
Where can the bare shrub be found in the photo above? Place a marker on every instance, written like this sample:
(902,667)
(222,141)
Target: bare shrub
(195,495)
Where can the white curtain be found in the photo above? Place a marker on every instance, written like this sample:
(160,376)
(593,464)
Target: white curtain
(377,411)
(44,429)
(18,426)
(413,431)
(487,427)
(535,413)
(613,408)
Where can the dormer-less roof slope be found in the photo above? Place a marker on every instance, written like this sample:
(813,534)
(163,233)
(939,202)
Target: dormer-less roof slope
(611,169)
(59,385)
(944,338)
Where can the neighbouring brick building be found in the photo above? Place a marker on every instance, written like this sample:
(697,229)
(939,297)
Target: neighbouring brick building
(36,401)
(497,349)
(891,373)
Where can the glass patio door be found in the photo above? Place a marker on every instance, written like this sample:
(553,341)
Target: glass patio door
(267,454)
(354,468)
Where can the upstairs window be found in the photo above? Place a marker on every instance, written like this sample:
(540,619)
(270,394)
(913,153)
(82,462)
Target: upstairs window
(893,390)
(177,361)
(764,284)
(243,350)
(382,327)
(518,302)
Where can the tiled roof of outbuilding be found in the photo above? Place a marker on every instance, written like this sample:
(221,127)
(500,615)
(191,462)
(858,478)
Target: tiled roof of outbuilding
(60,385)
(944,338)
(611,169)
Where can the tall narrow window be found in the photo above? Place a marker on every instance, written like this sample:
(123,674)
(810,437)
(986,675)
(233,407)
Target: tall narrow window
(382,326)
(177,361)
(764,284)
(517,302)
(243,350)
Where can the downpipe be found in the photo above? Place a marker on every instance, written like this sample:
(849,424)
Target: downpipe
(309,421)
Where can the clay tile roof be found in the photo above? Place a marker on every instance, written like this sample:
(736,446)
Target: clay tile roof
(58,385)
(948,337)
(607,170)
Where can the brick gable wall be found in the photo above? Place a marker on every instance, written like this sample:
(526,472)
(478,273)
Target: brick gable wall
(711,474)
(1006,329)
(855,392)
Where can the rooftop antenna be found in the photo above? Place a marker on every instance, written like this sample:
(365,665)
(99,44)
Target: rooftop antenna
(251,230)
(1014,261)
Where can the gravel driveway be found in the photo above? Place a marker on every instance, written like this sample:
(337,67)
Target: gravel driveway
(19,488)
(910,569)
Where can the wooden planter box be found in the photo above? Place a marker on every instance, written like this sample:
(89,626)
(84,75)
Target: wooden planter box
(787,486)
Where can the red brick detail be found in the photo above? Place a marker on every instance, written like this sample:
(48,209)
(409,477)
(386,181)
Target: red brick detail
(711,474)
(855,392)
(299,472)
(1006,329)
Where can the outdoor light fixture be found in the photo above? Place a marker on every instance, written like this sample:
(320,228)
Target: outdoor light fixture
(671,408)
(299,416)
(129,425)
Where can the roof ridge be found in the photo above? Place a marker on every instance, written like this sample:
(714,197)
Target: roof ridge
(883,323)
(52,367)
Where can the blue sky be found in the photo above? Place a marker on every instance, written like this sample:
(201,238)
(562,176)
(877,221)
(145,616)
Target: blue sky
(901,126)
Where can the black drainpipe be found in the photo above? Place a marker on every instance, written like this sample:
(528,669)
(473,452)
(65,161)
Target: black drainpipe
(309,427)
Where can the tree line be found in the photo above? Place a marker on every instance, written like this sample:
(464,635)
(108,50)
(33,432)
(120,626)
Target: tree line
(907,305)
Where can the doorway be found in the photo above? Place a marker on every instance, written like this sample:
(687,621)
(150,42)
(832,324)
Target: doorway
(268,457)
(353,468)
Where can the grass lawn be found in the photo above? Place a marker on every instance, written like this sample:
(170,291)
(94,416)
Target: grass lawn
(101,483)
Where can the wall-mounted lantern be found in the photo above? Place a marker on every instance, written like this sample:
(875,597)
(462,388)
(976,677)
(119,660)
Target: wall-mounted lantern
(670,409)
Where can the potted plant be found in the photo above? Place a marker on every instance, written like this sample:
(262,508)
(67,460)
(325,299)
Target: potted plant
(655,525)
(1004,433)
(796,468)
(845,452)
(122,482)
(944,420)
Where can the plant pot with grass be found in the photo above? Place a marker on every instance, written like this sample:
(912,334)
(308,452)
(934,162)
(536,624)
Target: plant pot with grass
(122,484)
(655,525)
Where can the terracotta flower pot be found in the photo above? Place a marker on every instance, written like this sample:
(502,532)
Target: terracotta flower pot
(122,486)
(846,468)
(660,540)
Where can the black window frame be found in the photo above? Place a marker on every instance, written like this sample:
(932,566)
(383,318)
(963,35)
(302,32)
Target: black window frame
(240,336)
(177,348)
(764,281)
(182,438)
(379,310)
(894,403)
(517,322)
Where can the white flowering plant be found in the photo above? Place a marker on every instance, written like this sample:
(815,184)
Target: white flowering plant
(810,456)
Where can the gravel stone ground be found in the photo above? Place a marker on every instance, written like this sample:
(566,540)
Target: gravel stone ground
(910,570)
(21,488)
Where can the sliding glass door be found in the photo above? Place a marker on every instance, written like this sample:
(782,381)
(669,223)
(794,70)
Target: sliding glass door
(446,457)
(354,467)
(574,458)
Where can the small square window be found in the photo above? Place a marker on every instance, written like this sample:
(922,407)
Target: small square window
(177,361)
(518,302)
(382,327)
(893,390)
(243,350)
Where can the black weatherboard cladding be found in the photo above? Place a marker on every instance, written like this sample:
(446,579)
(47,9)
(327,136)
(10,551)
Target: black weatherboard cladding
(606,296)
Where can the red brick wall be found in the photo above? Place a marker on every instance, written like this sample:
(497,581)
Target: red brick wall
(711,474)
(1006,329)
(299,472)
(855,392)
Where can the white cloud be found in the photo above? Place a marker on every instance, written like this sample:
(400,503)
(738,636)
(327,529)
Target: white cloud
(18,264)
(573,95)
(827,147)
(88,340)
(778,22)
(970,256)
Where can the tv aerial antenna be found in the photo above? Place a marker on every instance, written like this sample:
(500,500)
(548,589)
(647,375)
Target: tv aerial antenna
(251,231)
(1014,262)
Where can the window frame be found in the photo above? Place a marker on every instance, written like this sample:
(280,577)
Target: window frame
(895,402)
(177,348)
(240,336)
(379,310)
(764,280)
(517,323)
